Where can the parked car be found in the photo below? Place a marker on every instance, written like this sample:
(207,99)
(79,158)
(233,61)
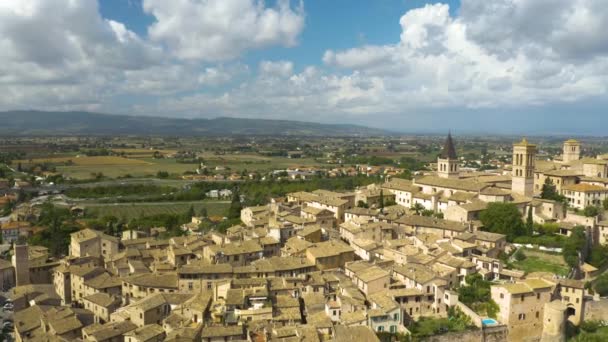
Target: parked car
(8,307)
(7,324)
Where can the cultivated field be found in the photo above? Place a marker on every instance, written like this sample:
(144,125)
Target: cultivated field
(135,210)
(143,167)
(254,162)
(140,163)
(141,152)
(82,161)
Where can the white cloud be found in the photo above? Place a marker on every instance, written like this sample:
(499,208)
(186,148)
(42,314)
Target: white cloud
(489,56)
(63,54)
(219,30)
(276,69)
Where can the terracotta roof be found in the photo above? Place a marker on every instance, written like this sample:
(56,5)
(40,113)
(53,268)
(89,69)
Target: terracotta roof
(583,187)
(456,184)
(430,222)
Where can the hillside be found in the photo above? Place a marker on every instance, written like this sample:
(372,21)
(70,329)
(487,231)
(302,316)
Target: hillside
(86,123)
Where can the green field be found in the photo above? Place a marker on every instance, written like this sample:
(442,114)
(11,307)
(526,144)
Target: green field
(254,162)
(541,264)
(135,210)
(145,167)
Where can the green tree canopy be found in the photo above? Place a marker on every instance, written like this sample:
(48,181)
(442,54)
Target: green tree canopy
(549,191)
(235,206)
(591,211)
(575,244)
(503,218)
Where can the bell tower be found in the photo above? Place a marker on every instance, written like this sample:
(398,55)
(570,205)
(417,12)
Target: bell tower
(447,162)
(572,151)
(524,155)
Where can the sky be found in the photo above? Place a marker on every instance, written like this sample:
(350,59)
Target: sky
(472,66)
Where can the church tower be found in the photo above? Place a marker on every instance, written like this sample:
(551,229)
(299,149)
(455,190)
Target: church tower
(572,151)
(447,163)
(524,155)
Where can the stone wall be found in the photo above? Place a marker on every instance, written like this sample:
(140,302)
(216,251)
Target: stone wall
(596,310)
(475,319)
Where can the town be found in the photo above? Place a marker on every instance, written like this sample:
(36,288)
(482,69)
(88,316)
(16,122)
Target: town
(344,247)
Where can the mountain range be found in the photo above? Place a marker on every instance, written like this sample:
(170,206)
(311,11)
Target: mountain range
(29,122)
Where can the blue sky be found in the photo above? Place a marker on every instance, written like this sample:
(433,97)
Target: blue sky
(532,66)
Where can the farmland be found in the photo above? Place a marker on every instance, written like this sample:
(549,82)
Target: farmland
(142,168)
(83,161)
(141,152)
(135,210)
(140,163)
(253,162)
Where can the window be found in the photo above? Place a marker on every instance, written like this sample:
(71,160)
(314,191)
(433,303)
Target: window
(380,328)
(538,296)
(522,317)
(522,298)
(502,296)
(537,314)
(396,317)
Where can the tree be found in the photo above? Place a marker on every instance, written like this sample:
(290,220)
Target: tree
(601,285)
(549,191)
(605,204)
(362,204)
(418,208)
(574,245)
(427,212)
(597,256)
(406,174)
(503,218)
(189,214)
(235,206)
(59,224)
(529,222)
(476,294)
(203,212)
(591,211)
(381,203)
(520,255)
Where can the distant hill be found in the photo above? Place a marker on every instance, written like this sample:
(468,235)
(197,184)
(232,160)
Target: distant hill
(87,123)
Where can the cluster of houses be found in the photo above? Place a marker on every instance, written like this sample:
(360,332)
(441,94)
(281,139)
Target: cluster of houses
(317,266)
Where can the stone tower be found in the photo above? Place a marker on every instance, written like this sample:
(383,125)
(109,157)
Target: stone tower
(524,155)
(22,265)
(447,162)
(554,322)
(572,151)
